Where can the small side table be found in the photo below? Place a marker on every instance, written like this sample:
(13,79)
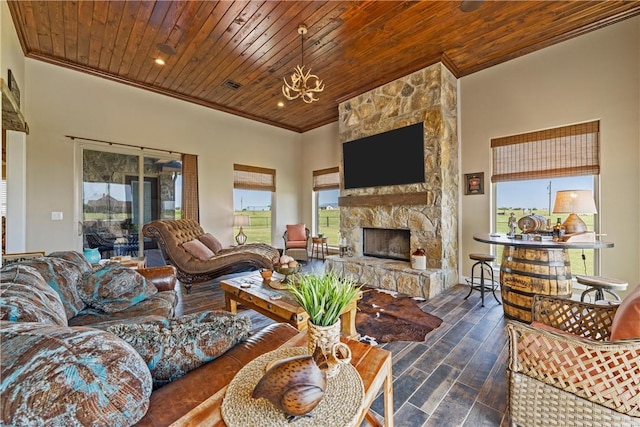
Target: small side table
(131,262)
(319,245)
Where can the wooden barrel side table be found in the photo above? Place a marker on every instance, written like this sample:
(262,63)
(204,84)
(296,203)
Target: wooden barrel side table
(526,272)
(533,267)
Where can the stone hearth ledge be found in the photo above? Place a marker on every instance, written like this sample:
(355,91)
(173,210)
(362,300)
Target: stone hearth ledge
(388,274)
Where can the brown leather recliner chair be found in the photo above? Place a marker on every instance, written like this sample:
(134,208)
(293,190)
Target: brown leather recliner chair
(171,235)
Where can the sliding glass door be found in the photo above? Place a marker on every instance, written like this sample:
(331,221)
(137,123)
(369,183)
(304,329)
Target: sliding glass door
(121,191)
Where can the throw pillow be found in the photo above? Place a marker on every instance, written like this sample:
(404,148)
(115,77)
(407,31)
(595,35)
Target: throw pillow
(33,280)
(114,288)
(63,276)
(198,249)
(296,232)
(75,257)
(626,321)
(61,376)
(24,303)
(211,242)
(174,347)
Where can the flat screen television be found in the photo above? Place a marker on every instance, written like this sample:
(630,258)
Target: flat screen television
(391,158)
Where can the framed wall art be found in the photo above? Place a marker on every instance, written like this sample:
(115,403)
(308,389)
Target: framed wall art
(474,183)
(13,87)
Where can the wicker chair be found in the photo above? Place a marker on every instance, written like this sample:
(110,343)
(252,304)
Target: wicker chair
(106,246)
(574,376)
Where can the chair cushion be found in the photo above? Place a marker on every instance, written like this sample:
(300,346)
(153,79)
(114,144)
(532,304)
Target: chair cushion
(211,242)
(173,347)
(296,243)
(198,249)
(626,321)
(296,232)
(61,376)
(114,288)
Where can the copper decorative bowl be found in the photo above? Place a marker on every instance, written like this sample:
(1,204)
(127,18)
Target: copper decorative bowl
(266,274)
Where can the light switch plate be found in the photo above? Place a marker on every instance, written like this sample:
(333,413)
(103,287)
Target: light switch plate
(56,216)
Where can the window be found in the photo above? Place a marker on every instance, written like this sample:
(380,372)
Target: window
(529,169)
(326,185)
(253,189)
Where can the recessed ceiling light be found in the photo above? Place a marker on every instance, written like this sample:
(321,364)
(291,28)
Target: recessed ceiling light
(280,104)
(159,61)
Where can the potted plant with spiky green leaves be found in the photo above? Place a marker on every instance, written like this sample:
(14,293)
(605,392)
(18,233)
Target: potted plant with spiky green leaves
(324,297)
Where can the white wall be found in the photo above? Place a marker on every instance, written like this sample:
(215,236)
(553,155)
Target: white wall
(593,77)
(321,149)
(11,58)
(65,102)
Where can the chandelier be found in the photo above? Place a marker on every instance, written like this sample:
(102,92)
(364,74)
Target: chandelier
(303,84)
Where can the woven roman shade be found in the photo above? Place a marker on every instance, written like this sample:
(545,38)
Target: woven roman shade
(326,179)
(190,203)
(552,153)
(254,178)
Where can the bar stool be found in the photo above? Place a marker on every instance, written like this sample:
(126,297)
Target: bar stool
(482,261)
(600,285)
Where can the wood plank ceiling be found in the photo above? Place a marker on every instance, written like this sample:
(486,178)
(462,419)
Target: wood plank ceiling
(353,46)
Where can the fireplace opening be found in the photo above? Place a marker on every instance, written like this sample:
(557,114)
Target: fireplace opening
(390,243)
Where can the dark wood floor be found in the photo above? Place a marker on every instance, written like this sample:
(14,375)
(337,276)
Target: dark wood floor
(456,377)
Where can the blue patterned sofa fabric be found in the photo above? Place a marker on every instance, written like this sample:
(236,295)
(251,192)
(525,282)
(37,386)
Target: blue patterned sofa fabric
(131,321)
(24,303)
(173,347)
(161,304)
(61,376)
(31,282)
(114,287)
(62,276)
(74,257)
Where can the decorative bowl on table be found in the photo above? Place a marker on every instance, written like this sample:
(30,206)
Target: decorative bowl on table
(266,274)
(287,271)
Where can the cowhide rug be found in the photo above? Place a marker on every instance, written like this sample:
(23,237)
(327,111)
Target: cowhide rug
(384,316)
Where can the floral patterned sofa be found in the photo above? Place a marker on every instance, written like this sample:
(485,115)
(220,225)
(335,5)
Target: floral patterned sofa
(94,346)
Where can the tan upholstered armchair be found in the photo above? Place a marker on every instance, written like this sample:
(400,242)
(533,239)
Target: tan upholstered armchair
(198,256)
(296,241)
(565,370)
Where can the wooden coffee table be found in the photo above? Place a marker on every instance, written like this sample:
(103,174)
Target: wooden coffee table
(258,296)
(372,363)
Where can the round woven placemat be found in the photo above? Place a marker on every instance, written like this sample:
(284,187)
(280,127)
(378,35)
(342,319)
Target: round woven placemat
(340,405)
(277,284)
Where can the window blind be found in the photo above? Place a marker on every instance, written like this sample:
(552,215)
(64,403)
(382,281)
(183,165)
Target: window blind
(326,179)
(254,178)
(565,151)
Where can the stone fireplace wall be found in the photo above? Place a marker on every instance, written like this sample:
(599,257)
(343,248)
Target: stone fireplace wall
(430,209)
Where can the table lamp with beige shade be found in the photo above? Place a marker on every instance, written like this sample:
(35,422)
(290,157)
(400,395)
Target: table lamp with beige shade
(241,221)
(574,202)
